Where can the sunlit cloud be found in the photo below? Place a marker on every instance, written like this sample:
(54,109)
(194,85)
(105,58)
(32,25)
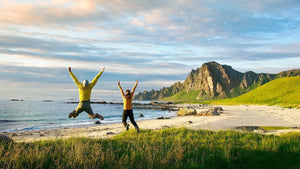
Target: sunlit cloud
(157,42)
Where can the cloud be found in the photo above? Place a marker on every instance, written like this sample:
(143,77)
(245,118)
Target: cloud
(153,41)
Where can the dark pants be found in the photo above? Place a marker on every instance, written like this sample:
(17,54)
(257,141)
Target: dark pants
(128,113)
(84,106)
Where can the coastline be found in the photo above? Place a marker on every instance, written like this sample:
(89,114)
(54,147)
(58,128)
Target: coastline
(231,118)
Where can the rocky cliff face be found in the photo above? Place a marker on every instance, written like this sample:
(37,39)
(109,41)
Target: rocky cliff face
(158,94)
(213,80)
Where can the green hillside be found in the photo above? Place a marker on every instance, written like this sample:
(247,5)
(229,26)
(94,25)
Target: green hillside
(283,92)
(183,96)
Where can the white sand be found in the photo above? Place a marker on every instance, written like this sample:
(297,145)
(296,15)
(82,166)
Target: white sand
(233,116)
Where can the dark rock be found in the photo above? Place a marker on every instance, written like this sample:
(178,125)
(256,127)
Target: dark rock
(110,133)
(17,100)
(5,139)
(47,100)
(219,108)
(73,102)
(97,122)
(141,115)
(159,118)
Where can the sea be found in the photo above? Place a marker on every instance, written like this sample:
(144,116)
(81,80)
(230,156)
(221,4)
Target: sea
(23,115)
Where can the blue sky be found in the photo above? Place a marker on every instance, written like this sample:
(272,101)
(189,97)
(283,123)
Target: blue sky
(155,42)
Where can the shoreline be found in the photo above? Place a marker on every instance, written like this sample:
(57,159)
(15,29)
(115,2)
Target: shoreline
(16,123)
(231,118)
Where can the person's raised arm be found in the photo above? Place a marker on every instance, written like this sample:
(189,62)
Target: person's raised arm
(134,87)
(94,81)
(122,92)
(74,77)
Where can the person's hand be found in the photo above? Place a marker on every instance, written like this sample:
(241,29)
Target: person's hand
(118,82)
(70,69)
(102,69)
(136,82)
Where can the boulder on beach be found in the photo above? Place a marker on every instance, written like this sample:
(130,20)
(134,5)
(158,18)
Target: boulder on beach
(5,139)
(211,112)
(219,109)
(186,111)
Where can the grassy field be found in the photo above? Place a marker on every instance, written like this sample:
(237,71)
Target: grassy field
(283,92)
(183,96)
(167,148)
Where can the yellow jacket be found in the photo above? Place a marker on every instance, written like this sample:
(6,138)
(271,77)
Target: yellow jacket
(127,102)
(85,92)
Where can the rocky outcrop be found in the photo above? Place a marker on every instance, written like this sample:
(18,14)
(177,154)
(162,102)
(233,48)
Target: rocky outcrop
(215,111)
(213,80)
(186,112)
(158,94)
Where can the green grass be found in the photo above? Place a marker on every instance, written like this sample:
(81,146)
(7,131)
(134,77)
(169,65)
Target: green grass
(283,92)
(167,148)
(183,96)
(270,128)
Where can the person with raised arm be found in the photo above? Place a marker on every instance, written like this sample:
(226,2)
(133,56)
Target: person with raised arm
(85,90)
(127,112)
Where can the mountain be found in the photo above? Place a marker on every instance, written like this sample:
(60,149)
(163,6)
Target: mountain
(214,81)
(283,91)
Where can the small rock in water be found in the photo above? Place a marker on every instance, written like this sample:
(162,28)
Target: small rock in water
(189,122)
(97,122)
(141,115)
(161,117)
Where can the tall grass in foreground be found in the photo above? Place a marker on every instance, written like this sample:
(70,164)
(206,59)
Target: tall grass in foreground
(167,148)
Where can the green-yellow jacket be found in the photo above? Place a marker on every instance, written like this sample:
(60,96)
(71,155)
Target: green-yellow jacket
(85,92)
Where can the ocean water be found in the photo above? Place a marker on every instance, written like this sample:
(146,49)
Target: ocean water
(37,114)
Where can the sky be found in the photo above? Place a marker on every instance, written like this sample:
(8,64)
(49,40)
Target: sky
(155,42)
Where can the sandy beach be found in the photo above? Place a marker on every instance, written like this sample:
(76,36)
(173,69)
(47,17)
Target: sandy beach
(232,117)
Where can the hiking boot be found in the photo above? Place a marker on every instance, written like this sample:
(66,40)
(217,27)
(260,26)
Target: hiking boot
(99,116)
(72,114)
(137,128)
(127,127)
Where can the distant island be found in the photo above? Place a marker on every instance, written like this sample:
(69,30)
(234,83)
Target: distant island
(16,100)
(213,81)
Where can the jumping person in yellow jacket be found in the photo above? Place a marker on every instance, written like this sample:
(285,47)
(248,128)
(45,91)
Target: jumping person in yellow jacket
(127,112)
(85,89)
